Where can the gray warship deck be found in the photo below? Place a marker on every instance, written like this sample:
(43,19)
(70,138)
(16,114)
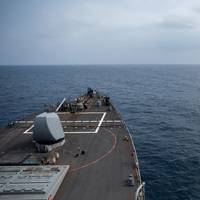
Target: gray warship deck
(98,149)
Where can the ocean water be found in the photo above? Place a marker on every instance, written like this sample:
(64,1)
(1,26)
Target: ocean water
(161,104)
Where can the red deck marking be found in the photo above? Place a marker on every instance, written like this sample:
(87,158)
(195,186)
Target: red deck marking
(101,157)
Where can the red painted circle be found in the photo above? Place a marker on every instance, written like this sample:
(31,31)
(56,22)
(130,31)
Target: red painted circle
(114,142)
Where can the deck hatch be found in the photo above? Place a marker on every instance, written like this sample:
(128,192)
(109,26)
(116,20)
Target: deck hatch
(31,182)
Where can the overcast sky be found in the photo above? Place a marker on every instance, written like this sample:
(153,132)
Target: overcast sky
(99,32)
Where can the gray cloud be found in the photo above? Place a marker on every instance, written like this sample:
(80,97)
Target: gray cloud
(175,23)
(139,31)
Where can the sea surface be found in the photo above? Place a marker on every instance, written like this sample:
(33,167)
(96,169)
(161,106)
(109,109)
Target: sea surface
(160,103)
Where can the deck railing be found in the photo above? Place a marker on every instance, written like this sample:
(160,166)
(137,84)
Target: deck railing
(140,192)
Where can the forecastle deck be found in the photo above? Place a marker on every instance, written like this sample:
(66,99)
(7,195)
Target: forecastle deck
(98,149)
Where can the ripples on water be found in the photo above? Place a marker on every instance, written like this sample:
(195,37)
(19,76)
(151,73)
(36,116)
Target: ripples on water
(160,103)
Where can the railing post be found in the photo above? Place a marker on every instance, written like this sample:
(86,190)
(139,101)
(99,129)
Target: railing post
(141,189)
(140,193)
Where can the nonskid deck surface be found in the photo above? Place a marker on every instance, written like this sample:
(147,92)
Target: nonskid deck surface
(103,171)
(100,159)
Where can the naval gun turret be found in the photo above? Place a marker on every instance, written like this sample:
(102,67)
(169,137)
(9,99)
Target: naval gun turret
(48,133)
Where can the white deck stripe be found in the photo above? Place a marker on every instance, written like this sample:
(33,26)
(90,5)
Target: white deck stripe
(78,132)
(117,121)
(22,122)
(27,131)
(57,109)
(81,113)
(79,121)
(70,132)
(109,121)
(101,121)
